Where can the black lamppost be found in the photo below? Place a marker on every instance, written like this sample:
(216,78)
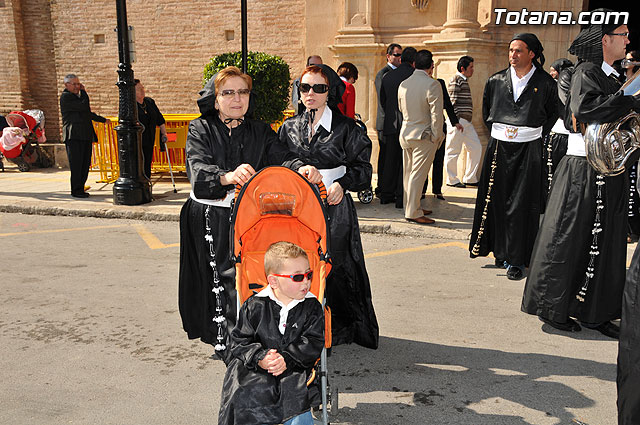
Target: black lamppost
(132,187)
(243,21)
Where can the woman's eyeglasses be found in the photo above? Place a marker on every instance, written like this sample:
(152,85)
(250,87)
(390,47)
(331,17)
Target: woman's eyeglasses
(232,93)
(317,88)
(297,277)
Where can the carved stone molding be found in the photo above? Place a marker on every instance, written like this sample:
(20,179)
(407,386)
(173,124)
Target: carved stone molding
(421,5)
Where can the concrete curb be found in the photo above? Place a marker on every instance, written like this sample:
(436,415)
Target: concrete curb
(381,229)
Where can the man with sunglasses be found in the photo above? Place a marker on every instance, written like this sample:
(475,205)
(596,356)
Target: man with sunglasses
(394,51)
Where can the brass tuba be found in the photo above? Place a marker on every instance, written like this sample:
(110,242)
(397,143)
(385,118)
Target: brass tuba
(609,145)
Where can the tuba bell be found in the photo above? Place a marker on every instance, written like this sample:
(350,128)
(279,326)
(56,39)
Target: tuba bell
(609,145)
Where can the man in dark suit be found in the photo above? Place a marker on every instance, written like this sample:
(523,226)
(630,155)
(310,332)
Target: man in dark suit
(394,51)
(391,187)
(77,132)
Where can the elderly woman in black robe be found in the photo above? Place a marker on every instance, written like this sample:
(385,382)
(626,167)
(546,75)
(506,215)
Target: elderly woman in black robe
(321,136)
(224,148)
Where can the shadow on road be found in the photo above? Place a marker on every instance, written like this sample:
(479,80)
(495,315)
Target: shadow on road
(404,380)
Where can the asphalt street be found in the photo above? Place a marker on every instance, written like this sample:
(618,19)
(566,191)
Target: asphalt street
(90,334)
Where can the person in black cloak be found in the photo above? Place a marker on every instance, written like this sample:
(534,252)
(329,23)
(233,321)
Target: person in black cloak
(578,263)
(556,142)
(341,150)
(224,148)
(519,108)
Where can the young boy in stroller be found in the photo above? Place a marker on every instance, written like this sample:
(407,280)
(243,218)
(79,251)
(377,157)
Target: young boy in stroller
(274,346)
(20,140)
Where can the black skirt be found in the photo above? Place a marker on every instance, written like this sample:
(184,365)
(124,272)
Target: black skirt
(348,289)
(629,349)
(197,301)
(561,253)
(513,214)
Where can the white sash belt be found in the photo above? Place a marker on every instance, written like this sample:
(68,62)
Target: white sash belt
(514,133)
(225,202)
(575,145)
(559,127)
(329,175)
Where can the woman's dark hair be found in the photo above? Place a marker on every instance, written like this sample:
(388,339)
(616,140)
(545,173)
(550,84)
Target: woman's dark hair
(348,70)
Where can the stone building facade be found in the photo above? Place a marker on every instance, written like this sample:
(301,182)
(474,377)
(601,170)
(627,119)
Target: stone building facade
(43,40)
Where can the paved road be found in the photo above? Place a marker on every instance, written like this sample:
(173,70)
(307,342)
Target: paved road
(90,334)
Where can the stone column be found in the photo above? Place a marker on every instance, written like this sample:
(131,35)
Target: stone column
(462,15)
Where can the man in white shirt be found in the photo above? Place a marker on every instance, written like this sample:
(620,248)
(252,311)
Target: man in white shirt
(460,94)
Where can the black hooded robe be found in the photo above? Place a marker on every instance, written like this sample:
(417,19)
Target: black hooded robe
(348,290)
(515,205)
(250,394)
(211,152)
(562,250)
(629,348)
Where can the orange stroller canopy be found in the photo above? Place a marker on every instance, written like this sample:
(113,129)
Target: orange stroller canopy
(278,204)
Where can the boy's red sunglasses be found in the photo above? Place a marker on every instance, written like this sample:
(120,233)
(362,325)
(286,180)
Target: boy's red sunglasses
(297,277)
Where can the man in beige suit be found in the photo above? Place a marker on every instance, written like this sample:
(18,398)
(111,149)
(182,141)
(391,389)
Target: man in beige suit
(420,100)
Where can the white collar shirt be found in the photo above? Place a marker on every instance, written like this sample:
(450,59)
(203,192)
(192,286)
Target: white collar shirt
(284,309)
(391,65)
(520,83)
(608,69)
(461,75)
(325,120)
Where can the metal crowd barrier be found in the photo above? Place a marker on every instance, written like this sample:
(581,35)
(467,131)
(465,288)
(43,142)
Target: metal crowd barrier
(105,151)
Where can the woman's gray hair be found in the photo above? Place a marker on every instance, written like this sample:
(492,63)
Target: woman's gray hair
(69,77)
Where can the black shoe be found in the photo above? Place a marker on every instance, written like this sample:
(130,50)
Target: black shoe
(80,195)
(514,273)
(459,184)
(499,263)
(609,329)
(439,196)
(399,205)
(471,184)
(569,326)
(386,201)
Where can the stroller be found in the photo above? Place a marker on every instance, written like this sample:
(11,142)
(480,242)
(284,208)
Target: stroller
(20,141)
(279,204)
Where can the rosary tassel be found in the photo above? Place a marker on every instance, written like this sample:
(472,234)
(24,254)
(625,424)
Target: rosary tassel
(494,161)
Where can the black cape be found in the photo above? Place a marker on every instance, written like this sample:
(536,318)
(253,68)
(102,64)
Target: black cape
(514,210)
(211,152)
(562,250)
(629,347)
(251,395)
(348,289)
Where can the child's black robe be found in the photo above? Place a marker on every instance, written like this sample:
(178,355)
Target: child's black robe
(250,394)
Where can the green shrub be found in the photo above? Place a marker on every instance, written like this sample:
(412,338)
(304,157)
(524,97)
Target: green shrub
(270,81)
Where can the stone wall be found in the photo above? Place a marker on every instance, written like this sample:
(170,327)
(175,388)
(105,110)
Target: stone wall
(41,41)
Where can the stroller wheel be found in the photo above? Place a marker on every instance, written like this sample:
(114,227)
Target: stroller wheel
(23,166)
(365,196)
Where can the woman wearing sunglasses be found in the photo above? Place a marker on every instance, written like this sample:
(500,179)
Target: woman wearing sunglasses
(224,148)
(321,136)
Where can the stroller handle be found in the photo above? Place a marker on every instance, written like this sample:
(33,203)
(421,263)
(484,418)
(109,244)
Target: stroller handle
(321,188)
